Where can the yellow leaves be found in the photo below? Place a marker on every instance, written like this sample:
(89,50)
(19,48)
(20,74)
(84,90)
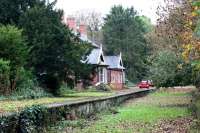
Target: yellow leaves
(185,55)
(189,41)
(186,36)
(194,14)
(196,7)
(187,49)
(190,23)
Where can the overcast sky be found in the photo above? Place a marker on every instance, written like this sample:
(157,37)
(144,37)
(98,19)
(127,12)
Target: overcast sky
(144,7)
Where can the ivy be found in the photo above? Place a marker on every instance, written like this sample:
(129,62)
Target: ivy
(33,119)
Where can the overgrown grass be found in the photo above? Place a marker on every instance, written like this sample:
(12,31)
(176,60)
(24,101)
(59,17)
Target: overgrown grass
(17,105)
(169,94)
(141,114)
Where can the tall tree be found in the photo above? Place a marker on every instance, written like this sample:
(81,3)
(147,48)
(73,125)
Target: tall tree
(11,10)
(12,49)
(53,49)
(124,32)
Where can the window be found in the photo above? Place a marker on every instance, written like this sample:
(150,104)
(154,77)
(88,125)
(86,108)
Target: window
(101,74)
(120,63)
(101,57)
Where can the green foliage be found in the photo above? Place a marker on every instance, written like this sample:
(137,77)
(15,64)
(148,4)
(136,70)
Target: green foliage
(26,87)
(141,115)
(64,89)
(124,31)
(13,49)
(81,123)
(196,105)
(103,87)
(11,10)
(33,119)
(163,69)
(147,25)
(54,51)
(27,93)
(196,73)
(167,69)
(4,76)
(184,75)
(12,46)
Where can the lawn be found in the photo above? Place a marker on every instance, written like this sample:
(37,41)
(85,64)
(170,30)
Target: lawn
(17,105)
(157,112)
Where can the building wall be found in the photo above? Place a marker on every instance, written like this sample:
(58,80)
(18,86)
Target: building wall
(115,79)
(95,78)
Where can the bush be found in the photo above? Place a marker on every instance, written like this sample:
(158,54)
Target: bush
(196,73)
(64,89)
(183,75)
(27,86)
(103,87)
(169,70)
(33,119)
(163,69)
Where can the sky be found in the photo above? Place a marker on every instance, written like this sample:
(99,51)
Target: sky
(144,7)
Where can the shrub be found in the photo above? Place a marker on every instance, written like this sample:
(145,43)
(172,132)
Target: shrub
(4,76)
(183,74)
(33,119)
(196,73)
(27,86)
(103,87)
(168,70)
(163,69)
(64,89)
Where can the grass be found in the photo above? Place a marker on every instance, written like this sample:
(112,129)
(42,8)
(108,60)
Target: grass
(88,94)
(141,115)
(169,94)
(18,105)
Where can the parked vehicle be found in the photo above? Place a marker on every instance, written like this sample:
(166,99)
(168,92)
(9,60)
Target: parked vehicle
(143,84)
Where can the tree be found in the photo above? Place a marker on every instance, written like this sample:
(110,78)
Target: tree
(4,77)
(13,49)
(11,10)
(163,69)
(147,25)
(123,31)
(53,49)
(181,24)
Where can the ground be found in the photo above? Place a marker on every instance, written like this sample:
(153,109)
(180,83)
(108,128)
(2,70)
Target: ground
(166,111)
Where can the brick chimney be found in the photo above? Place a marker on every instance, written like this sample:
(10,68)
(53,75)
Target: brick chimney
(83,30)
(71,22)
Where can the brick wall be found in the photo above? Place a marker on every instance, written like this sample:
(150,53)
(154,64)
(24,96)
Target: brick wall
(83,29)
(115,79)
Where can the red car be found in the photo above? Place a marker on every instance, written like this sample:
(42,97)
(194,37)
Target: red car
(143,84)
